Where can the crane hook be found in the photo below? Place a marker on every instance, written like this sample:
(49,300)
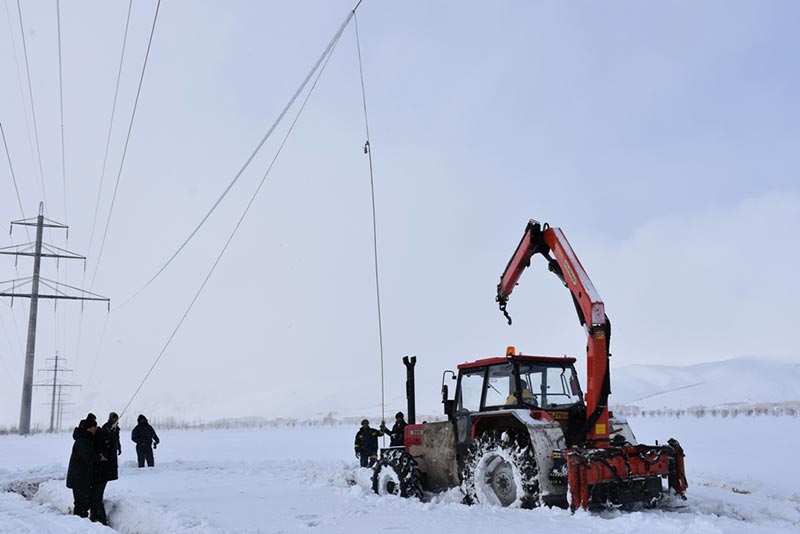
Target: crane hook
(502,302)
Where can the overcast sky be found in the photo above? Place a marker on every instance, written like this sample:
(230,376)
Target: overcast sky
(663,138)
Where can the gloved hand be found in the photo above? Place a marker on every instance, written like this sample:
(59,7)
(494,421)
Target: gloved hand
(155,445)
(358,455)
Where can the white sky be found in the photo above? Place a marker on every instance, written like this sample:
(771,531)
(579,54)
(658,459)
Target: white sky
(662,138)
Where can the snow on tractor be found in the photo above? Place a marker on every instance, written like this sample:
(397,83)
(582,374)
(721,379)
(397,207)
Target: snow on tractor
(520,432)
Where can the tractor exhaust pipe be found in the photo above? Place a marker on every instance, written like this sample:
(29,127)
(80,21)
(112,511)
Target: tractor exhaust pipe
(410,362)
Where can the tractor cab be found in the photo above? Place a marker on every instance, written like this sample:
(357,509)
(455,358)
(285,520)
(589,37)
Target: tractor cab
(546,386)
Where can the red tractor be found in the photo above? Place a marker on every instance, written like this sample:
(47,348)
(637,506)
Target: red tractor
(520,432)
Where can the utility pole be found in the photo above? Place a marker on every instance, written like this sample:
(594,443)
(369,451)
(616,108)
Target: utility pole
(61,405)
(35,250)
(56,385)
(53,399)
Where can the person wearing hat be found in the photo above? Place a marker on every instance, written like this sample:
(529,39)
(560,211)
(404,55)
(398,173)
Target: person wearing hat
(397,433)
(111,427)
(146,440)
(366,444)
(82,463)
(106,443)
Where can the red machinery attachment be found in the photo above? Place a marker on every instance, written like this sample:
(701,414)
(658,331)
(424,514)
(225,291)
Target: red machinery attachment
(600,469)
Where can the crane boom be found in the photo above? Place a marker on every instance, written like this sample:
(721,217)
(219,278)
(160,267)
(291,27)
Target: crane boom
(567,267)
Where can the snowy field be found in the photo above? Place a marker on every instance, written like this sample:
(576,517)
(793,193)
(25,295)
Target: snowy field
(282,480)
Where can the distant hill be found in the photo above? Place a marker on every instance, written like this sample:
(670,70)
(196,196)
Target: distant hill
(736,381)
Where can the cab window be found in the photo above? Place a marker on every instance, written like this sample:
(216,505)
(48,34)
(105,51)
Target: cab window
(471,387)
(500,386)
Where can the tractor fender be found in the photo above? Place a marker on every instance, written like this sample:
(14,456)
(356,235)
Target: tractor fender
(432,445)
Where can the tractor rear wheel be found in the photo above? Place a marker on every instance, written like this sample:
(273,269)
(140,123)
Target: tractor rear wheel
(500,470)
(397,473)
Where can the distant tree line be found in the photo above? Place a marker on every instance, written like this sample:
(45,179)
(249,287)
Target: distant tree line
(774,409)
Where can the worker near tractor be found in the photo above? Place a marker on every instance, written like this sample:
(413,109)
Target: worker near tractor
(146,440)
(366,445)
(397,433)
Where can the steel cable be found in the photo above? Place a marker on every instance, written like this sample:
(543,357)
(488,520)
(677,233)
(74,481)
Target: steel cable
(103,173)
(275,124)
(33,106)
(14,178)
(331,48)
(368,151)
(125,148)
(61,105)
(110,128)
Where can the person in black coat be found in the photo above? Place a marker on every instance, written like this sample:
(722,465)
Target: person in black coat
(112,445)
(366,444)
(397,433)
(107,445)
(146,440)
(82,463)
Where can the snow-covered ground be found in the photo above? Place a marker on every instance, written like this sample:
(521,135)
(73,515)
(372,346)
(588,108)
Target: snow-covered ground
(742,475)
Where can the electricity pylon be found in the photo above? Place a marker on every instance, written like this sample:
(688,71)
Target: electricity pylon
(56,385)
(38,250)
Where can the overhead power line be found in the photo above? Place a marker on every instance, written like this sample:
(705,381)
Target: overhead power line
(19,81)
(331,47)
(103,169)
(125,148)
(61,105)
(286,108)
(110,126)
(13,176)
(33,105)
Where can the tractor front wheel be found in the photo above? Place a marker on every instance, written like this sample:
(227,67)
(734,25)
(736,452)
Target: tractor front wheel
(397,473)
(500,470)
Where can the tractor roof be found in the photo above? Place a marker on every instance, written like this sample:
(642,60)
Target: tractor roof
(519,358)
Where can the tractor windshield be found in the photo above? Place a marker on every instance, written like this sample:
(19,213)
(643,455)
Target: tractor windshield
(500,386)
(549,387)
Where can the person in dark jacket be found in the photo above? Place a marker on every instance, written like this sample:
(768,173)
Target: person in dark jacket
(397,433)
(106,443)
(146,440)
(366,444)
(82,463)
(112,445)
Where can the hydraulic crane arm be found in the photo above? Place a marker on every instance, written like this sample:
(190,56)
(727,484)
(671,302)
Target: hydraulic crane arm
(564,263)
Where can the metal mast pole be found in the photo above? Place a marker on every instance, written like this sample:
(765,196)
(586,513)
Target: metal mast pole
(60,406)
(27,381)
(53,401)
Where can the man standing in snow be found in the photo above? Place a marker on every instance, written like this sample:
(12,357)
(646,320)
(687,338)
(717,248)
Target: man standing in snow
(82,463)
(397,433)
(106,442)
(146,440)
(111,427)
(366,444)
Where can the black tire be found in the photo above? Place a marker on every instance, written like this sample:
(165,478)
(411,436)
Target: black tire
(397,473)
(500,470)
